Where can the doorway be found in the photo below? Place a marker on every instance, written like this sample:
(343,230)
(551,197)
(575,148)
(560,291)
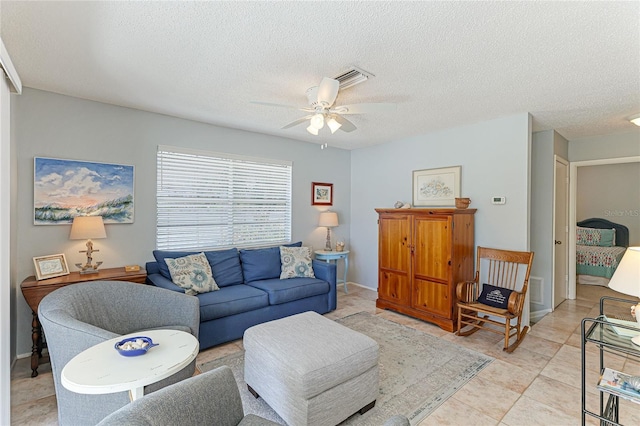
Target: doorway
(573,185)
(560,231)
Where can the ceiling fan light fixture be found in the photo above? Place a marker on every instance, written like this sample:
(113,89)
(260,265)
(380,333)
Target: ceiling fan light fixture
(317,121)
(312,130)
(333,125)
(635,119)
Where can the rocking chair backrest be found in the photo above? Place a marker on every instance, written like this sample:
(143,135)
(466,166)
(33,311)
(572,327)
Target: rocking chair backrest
(504,268)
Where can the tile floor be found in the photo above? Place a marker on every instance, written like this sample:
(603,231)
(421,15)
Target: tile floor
(538,384)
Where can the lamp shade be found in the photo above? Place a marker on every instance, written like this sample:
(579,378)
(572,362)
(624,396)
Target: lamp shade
(626,278)
(328,219)
(87,227)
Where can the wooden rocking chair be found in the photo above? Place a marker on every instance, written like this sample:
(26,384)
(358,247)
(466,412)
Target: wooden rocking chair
(495,308)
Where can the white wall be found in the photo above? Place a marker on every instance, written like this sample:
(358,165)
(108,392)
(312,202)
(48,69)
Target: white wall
(545,146)
(606,146)
(612,192)
(494,156)
(51,125)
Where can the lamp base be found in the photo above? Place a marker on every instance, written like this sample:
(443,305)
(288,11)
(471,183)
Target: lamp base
(88,268)
(327,245)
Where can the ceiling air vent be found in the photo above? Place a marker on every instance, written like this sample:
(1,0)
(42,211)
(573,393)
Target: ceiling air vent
(352,77)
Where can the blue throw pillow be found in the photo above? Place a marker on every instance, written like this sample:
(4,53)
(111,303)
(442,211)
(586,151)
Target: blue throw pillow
(262,264)
(225,266)
(497,297)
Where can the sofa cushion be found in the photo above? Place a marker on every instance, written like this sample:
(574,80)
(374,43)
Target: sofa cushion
(160,255)
(296,262)
(192,273)
(231,300)
(283,291)
(262,264)
(225,266)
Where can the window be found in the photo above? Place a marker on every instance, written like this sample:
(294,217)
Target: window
(208,200)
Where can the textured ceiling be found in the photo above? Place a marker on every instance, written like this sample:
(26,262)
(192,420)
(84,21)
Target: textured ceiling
(575,66)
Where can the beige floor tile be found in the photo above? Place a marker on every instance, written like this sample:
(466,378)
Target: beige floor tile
(508,376)
(539,345)
(528,411)
(553,334)
(487,397)
(455,413)
(40,412)
(555,394)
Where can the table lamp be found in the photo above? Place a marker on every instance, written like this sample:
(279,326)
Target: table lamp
(88,227)
(328,219)
(626,279)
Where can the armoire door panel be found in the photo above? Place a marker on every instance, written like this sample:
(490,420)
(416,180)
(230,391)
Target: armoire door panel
(432,254)
(394,287)
(432,297)
(394,245)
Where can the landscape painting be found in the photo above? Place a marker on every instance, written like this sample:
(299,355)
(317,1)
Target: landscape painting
(64,189)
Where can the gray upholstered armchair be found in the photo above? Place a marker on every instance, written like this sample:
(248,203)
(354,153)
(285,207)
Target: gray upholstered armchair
(211,398)
(82,315)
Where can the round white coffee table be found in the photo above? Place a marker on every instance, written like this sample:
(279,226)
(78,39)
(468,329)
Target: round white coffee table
(101,369)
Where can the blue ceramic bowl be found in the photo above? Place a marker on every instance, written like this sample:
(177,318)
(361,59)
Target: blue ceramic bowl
(135,352)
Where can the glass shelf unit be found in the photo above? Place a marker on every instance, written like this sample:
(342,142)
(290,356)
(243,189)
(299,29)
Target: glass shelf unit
(609,337)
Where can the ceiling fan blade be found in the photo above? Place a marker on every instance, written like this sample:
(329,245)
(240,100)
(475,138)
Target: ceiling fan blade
(346,125)
(306,109)
(328,91)
(298,121)
(364,108)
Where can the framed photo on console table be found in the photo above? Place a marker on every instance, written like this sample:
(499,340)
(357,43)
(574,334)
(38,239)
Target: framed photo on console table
(321,194)
(436,187)
(51,266)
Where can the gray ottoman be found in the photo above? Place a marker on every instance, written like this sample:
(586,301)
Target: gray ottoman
(311,370)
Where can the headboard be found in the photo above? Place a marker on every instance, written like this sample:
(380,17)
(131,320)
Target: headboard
(622,232)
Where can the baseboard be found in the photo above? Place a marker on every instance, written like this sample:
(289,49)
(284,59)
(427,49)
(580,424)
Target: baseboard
(361,285)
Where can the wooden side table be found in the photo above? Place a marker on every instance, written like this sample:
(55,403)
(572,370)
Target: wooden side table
(329,256)
(34,290)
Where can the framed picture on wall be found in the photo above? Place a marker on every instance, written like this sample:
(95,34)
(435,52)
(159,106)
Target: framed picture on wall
(64,189)
(321,194)
(436,187)
(50,266)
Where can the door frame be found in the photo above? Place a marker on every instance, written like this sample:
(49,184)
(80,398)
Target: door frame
(573,188)
(558,159)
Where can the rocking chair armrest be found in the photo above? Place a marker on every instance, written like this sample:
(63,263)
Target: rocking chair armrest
(466,291)
(516,300)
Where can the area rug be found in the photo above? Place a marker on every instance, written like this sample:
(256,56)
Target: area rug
(418,372)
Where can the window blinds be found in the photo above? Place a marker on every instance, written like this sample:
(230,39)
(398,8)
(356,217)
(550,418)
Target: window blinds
(208,200)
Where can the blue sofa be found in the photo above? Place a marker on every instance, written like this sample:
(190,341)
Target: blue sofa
(251,291)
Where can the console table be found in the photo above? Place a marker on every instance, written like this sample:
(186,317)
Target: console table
(34,290)
(329,256)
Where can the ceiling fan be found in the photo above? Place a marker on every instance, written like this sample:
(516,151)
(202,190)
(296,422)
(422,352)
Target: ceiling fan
(322,110)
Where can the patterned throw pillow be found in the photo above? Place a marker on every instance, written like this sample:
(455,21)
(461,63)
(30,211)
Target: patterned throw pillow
(296,262)
(595,237)
(193,273)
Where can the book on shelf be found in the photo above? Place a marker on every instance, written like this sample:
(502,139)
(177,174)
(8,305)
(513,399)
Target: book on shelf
(617,383)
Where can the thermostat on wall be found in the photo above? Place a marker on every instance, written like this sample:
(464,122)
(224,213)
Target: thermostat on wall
(498,200)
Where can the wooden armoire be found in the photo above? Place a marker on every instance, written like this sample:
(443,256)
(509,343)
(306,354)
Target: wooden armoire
(422,254)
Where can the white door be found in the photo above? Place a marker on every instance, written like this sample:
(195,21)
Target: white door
(561,231)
